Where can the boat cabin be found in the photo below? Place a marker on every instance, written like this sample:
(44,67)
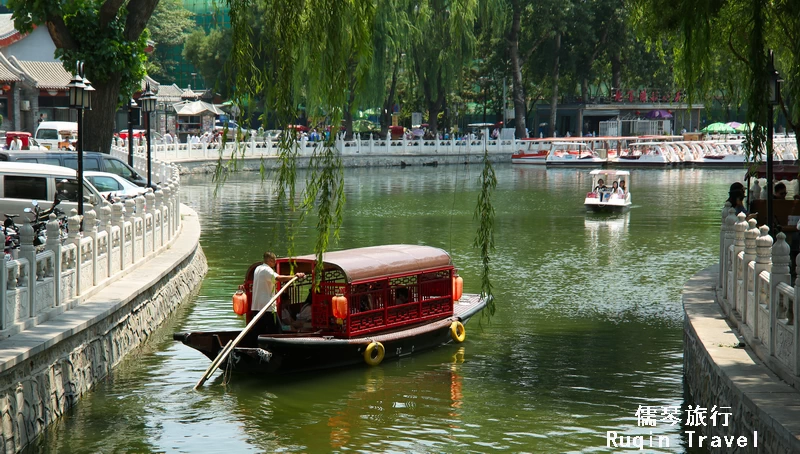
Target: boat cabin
(369,290)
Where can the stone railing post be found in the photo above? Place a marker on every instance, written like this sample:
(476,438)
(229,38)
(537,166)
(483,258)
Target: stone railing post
(749,255)
(139,200)
(722,249)
(780,274)
(90,229)
(763,263)
(733,278)
(27,251)
(150,201)
(119,220)
(727,235)
(53,244)
(130,207)
(166,215)
(74,237)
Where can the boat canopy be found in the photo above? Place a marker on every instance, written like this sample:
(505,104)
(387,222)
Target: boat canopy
(610,172)
(380,261)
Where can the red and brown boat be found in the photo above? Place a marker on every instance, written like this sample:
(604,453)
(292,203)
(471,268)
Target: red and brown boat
(371,303)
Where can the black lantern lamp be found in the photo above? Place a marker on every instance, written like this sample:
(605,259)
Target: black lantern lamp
(77,95)
(149,101)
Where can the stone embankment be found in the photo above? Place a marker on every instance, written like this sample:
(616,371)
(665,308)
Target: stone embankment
(722,372)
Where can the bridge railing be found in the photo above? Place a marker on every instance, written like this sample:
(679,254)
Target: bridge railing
(116,238)
(756,291)
(266,147)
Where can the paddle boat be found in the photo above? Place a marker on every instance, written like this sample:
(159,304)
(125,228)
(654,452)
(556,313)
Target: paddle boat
(573,154)
(649,154)
(370,304)
(602,197)
(531,151)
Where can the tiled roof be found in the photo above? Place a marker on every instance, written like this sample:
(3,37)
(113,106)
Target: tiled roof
(7,71)
(48,75)
(169,93)
(8,34)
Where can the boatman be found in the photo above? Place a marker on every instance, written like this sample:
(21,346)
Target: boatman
(264,279)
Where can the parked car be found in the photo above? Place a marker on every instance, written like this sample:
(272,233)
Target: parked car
(112,186)
(22,183)
(54,134)
(92,160)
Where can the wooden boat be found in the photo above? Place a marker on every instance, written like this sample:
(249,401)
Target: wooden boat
(603,198)
(372,303)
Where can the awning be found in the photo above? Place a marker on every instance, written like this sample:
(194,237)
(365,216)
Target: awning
(600,112)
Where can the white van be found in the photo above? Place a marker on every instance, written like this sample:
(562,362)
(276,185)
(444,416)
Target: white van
(22,183)
(50,133)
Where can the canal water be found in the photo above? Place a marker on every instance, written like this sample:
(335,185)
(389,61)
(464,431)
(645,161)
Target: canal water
(588,324)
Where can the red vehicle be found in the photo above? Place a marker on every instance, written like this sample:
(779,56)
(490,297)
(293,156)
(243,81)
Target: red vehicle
(371,303)
(25,137)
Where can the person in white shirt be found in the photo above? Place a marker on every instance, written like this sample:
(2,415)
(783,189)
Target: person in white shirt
(264,278)
(168,138)
(16,144)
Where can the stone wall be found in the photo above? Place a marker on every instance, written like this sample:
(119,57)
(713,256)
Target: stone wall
(719,370)
(35,392)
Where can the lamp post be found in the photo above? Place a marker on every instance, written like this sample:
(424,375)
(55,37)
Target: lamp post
(131,105)
(774,89)
(149,101)
(80,98)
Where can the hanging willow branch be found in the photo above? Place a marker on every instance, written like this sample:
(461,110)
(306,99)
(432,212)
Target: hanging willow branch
(484,237)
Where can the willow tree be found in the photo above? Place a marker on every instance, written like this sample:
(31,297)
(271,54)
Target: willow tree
(748,28)
(442,43)
(312,50)
(109,37)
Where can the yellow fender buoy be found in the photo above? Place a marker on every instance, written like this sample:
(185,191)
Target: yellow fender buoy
(458,332)
(374,353)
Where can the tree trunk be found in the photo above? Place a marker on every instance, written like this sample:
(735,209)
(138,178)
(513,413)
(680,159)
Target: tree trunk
(517,89)
(433,113)
(554,98)
(348,112)
(98,123)
(616,70)
(388,103)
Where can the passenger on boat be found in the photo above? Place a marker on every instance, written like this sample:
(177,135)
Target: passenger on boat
(600,185)
(780,192)
(301,320)
(264,278)
(622,187)
(617,191)
(401,295)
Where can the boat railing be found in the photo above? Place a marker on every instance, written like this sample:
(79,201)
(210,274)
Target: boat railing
(116,238)
(755,291)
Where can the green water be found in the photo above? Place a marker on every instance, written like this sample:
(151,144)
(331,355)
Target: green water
(589,324)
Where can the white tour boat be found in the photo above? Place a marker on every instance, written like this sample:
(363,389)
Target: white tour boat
(531,151)
(603,196)
(573,154)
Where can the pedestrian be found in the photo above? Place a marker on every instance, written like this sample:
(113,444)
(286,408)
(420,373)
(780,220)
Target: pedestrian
(264,278)
(41,118)
(168,138)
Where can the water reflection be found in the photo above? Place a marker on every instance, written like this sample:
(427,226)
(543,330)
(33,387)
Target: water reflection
(589,323)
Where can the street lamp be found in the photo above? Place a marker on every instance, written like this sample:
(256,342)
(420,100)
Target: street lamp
(774,92)
(149,101)
(80,99)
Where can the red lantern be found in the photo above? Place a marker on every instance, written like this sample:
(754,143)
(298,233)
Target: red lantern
(240,304)
(6,87)
(339,303)
(458,287)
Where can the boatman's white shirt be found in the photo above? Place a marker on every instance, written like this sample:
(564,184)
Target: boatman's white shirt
(263,287)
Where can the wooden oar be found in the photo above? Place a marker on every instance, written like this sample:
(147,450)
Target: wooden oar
(231,345)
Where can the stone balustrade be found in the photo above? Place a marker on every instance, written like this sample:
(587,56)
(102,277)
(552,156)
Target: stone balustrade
(117,237)
(756,292)
(260,147)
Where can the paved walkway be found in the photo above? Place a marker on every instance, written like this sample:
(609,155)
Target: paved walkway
(772,400)
(104,301)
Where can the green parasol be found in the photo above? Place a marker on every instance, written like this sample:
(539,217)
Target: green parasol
(718,128)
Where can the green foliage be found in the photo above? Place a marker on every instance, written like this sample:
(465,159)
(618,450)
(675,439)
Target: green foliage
(169,26)
(484,238)
(101,39)
(209,53)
